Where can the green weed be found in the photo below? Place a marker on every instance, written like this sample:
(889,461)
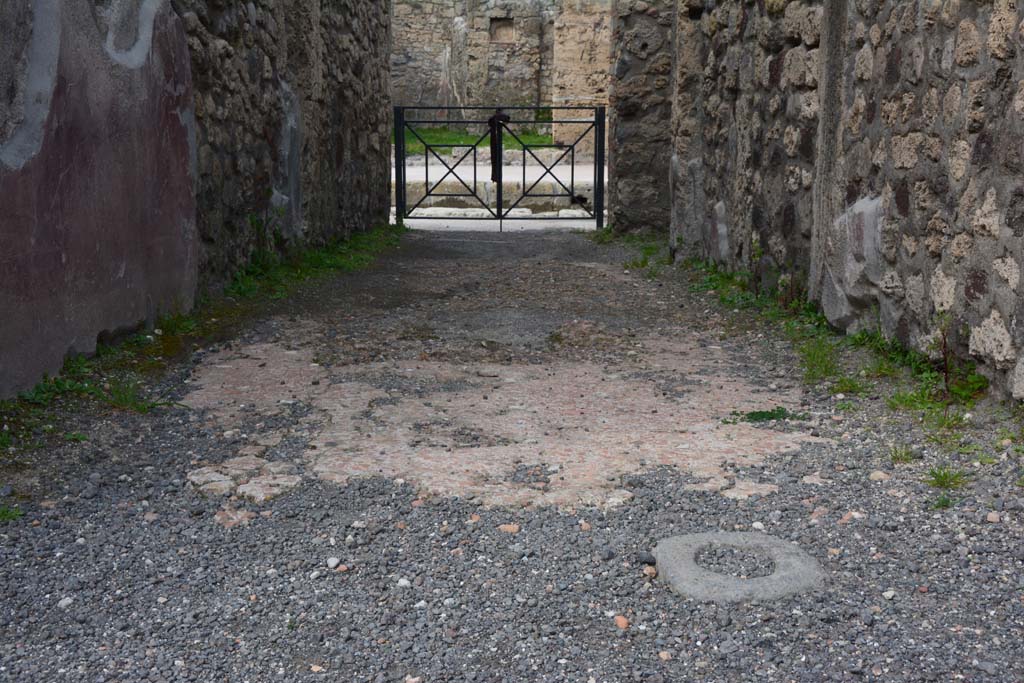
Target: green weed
(920,398)
(75,437)
(274,275)
(77,368)
(948,440)
(127,394)
(944,418)
(818,357)
(900,455)
(882,367)
(52,388)
(891,351)
(605,235)
(756,416)
(177,325)
(10,514)
(945,478)
(943,502)
(850,385)
(967,385)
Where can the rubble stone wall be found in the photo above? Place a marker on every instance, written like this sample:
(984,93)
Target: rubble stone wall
(640,115)
(149,147)
(872,149)
(294,123)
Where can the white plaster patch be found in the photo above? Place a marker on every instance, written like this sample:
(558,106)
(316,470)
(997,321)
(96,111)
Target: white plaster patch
(43,55)
(135,56)
(991,340)
(1017,380)
(943,291)
(1009,270)
(1018,99)
(959,157)
(987,218)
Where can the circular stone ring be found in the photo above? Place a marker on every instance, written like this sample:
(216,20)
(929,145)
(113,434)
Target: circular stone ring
(795,570)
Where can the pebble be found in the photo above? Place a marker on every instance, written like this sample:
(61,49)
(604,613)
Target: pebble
(992,517)
(333,562)
(404,583)
(621,622)
(879,475)
(509,528)
(644,557)
(65,603)
(619,497)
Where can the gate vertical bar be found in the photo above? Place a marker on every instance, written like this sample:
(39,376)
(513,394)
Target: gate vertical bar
(400,165)
(599,122)
(498,166)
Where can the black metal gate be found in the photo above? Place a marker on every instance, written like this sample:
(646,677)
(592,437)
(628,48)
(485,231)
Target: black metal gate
(500,127)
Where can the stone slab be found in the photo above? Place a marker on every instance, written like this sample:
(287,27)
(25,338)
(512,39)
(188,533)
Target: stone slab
(795,570)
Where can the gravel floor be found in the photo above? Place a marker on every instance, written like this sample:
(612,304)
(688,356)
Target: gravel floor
(118,571)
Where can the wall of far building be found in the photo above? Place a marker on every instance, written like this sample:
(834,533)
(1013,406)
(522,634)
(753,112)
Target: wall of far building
(510,52)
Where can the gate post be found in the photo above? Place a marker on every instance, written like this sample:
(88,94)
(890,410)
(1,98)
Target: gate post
(599,134)
(400,166)
(499,168)
(496,123)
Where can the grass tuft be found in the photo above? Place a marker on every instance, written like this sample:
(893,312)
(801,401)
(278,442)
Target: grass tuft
(10,514)
(850,386)
(756,416)
(275,275)
(945,478)
(819,359)
(127,394)
(900,455)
